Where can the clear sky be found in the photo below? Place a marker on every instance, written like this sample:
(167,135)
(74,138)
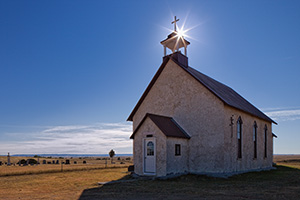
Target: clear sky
(72,71)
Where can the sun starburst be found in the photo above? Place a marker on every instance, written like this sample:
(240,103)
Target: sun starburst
(177,39)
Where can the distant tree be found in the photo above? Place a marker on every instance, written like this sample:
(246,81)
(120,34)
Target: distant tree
(112,154)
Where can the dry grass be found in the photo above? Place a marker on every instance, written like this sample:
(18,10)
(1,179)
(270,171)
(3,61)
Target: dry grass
(92,163)
(288,160)
(283,183)
(41,169)
(67,185)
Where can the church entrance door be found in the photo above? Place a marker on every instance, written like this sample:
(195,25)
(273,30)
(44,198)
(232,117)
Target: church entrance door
(149,156)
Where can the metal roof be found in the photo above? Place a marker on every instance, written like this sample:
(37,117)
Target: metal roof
(167,125)
(226,94)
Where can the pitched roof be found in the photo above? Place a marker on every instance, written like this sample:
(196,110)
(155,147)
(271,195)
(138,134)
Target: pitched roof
(167,125)
(226,94)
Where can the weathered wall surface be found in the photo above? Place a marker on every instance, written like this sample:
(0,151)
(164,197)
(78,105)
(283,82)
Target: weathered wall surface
(212,147)
(247,162)
(177,164)
(148,127)
(200,113)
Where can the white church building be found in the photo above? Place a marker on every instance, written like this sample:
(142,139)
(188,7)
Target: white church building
(187,122)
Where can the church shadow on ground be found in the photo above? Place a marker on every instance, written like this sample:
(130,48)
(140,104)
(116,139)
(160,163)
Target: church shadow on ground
(282,183)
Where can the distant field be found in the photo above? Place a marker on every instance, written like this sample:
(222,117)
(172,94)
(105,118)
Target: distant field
(91,163)
(283,183)
(279,158)
(287,160)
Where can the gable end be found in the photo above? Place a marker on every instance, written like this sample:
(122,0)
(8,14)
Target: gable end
(165,61)
(226,94)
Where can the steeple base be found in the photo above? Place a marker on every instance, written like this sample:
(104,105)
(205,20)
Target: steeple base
(179,57)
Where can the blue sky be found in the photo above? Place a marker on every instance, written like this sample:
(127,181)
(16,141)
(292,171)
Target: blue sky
(72,71)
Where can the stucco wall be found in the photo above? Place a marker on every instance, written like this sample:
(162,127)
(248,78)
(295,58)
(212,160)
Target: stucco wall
(149,128)
(179,163)
(247,162)
(200,113)
(212,147)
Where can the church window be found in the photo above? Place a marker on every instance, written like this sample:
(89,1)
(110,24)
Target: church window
(177,150)
(239,137)
(149,135)
(266,140)
(150,148)
(255,140)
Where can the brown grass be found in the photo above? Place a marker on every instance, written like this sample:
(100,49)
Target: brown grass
(283,183)
(288,160)
(67,185)
(92,163)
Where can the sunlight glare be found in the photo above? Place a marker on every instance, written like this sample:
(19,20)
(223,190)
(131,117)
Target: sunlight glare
(181,32)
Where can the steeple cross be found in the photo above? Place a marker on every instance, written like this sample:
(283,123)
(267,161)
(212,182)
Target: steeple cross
(174,22)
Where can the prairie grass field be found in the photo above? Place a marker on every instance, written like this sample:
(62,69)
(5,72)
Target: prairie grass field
(66,185)
(288,160)
(282,183)
(91,163)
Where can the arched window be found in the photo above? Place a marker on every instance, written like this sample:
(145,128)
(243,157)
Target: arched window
(266,140)
(239,137)
(255,139)
(150,148)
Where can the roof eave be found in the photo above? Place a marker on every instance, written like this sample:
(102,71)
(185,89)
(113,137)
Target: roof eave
(268,118)
(150,116)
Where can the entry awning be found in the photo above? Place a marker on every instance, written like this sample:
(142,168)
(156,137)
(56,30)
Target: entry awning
(168,126)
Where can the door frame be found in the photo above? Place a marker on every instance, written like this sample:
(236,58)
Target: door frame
(144,155)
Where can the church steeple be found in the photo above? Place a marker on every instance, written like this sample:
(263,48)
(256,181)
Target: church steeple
(175,41)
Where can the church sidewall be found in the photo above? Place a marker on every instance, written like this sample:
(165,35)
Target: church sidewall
(247,162)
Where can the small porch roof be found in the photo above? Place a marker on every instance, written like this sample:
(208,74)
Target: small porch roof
(168,126)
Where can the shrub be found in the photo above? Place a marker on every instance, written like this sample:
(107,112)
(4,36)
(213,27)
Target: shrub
(32,161)
(22,162)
